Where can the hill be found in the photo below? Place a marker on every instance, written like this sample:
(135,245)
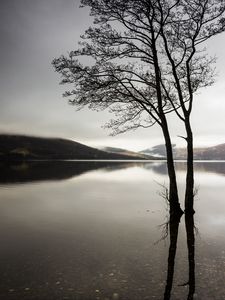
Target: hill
(158,151)
(204,153)
(208,153)
(127,152)
(20,147)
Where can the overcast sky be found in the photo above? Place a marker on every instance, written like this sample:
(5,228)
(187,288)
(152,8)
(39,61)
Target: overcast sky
(33,32)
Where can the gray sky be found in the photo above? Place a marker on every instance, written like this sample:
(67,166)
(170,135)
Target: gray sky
(32,33)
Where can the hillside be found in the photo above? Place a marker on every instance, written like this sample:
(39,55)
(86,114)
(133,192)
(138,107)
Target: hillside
(207,153)
(158,151)
(19,147)
(127,152)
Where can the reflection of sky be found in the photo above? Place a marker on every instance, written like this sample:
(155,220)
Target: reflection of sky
(210,204)
(32,33)
(210,180)
(122,192)
(107,222)
(133,174)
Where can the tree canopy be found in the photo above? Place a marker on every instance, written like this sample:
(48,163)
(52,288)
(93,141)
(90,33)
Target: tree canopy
(147,59)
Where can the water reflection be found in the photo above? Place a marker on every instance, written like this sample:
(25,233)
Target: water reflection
(52,170)
(215,167)
(189,225)
(60,170)
(173,232)
(94,237)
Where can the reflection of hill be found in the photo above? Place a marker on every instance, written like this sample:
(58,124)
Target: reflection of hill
(58,170)
(209,167)
(49,170)
(213,167)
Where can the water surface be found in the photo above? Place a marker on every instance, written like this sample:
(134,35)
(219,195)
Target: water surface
(76,230)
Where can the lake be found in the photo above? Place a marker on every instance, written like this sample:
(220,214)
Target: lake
(99,230)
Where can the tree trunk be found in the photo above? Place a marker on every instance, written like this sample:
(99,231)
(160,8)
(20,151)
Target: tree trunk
(189,193)
(173,192)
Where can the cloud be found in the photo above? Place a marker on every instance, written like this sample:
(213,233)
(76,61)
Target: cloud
(33,33)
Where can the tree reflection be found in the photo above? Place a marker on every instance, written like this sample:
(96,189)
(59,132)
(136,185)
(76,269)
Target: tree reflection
(173,231)
(189,225)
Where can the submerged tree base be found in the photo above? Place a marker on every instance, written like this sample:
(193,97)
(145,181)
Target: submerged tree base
(176,212)
(189,211)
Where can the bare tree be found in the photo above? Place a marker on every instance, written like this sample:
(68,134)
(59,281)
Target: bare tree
(185,27)
(144,65)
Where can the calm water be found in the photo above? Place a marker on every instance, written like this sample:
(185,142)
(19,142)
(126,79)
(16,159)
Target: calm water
(74,231)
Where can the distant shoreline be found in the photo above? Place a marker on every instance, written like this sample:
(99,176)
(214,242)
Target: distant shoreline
(29,148)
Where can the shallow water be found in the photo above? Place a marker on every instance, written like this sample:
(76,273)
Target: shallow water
(76,230)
